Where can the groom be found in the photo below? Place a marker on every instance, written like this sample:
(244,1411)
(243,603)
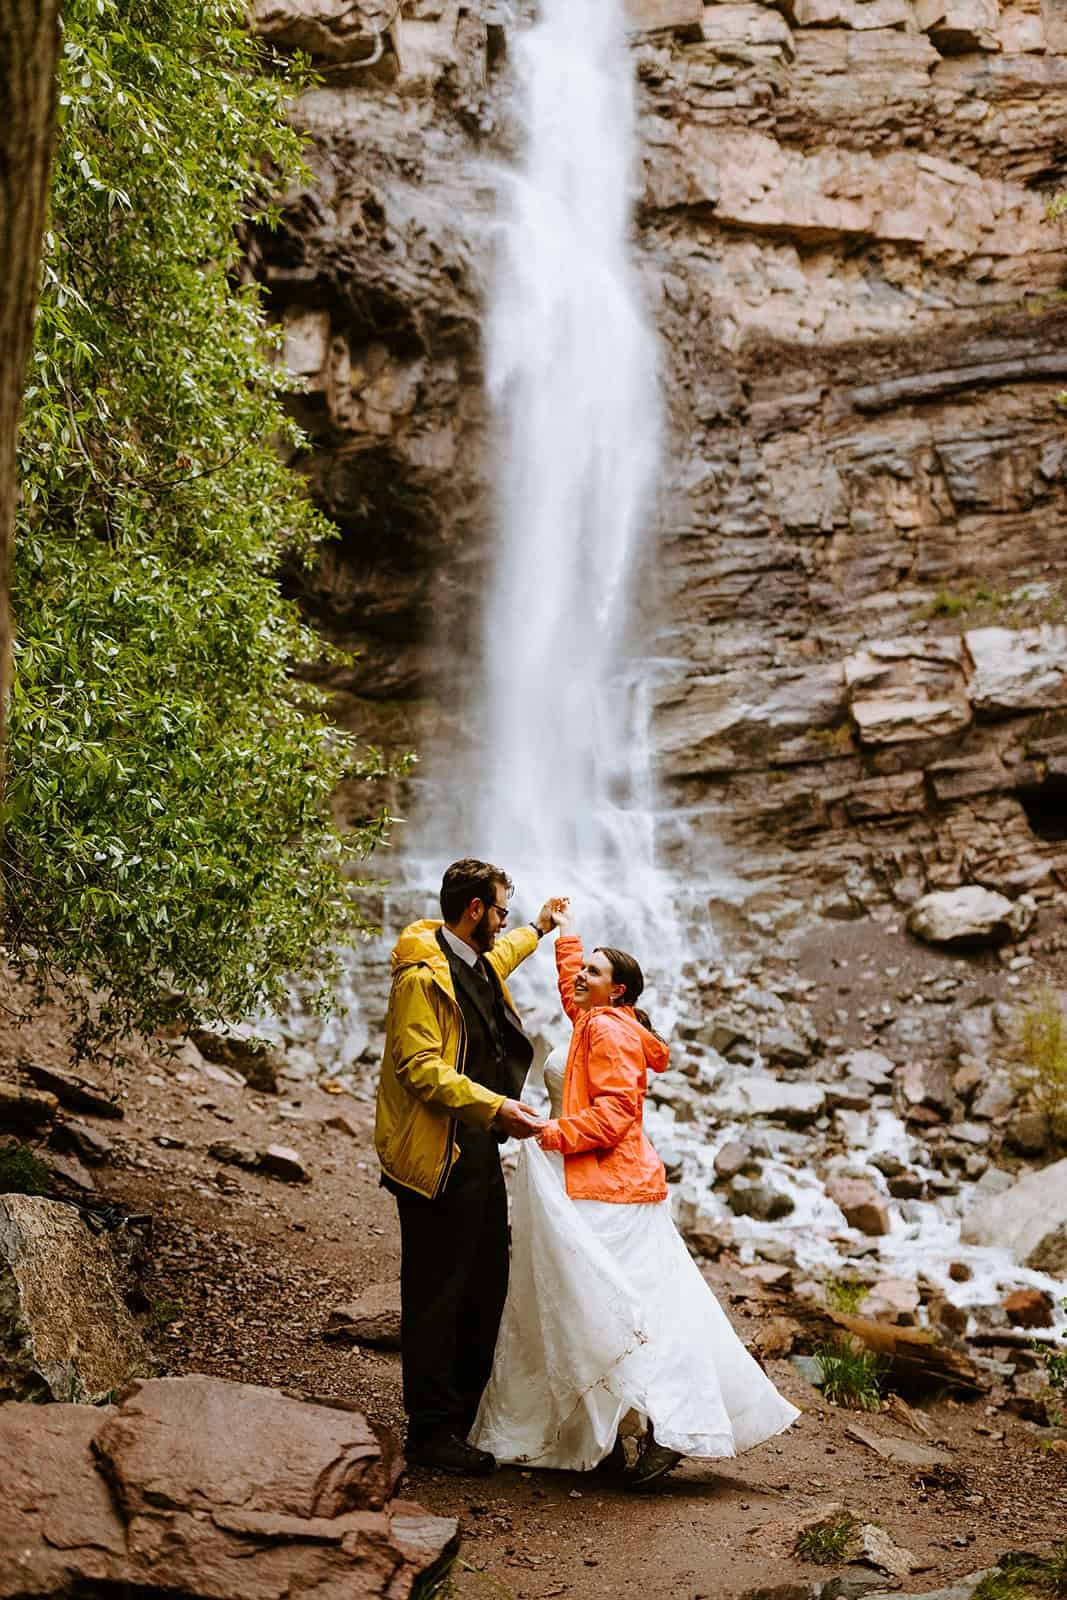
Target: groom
(454,1064)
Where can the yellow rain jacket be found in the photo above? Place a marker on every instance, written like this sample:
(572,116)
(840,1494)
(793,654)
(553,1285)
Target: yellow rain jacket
(423,1089)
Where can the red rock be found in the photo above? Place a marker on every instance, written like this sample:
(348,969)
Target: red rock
(211,1490)
(1029,1308)
(864,1208)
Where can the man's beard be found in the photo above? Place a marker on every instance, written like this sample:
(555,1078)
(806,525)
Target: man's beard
(482,936)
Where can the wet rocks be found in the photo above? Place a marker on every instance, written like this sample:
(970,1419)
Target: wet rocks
(870,1067)
(1029,1219)
(925,1093)
(892,1300)
(860,1202)
(65,1330)
(1028,1133)
(1029,1308)
(207,1489)
(970,917)
(731,1159)
(795,1104)
(759,1200)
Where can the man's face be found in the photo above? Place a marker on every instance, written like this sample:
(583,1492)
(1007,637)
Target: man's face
(491,922)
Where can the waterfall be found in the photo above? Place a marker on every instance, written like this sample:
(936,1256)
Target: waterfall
(566,792)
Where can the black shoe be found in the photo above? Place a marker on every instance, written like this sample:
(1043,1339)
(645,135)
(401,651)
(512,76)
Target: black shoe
(448,1453)
(654,1462)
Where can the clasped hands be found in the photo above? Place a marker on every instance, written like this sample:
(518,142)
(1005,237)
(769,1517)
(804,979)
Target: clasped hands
(514,1119)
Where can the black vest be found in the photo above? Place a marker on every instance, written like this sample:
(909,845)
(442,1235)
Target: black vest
(498,1053)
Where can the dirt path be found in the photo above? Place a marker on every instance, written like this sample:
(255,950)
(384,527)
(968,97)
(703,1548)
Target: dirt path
(245,1269)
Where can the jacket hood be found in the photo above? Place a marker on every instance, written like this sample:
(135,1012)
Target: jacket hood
(657,1053)
(417,946)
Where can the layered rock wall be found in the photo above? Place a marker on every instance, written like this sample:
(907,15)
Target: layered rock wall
(844,234)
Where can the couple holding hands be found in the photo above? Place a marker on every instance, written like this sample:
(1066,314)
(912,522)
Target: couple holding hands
(594,1336)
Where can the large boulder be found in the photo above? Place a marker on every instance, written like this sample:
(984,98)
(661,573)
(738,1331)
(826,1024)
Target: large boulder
(1021,669)
(970,917)
(65,1331)
(209,1490)
(1029,1219)
(760,1095)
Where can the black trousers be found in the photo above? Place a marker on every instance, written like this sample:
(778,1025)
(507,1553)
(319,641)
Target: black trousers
(453,1284)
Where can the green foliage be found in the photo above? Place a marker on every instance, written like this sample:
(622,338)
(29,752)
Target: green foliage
(22,1172)
(827,1542)
(1041,1051)
(851,1377)
(162,1312)
(1025,1577)
(845,1294)
(1030,603)
(168,837)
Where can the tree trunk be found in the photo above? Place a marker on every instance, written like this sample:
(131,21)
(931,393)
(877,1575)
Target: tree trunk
(29,45)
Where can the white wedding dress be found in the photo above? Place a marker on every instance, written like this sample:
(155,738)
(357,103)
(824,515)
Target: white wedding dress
(607,1314)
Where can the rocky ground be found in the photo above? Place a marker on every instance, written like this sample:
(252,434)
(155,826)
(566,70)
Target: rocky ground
(250,1252)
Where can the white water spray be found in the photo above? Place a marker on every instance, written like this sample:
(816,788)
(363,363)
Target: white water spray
(567,795)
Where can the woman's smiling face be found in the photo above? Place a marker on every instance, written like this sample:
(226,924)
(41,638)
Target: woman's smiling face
(595,984)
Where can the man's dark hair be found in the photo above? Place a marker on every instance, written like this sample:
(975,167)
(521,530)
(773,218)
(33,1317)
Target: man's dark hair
(469,880)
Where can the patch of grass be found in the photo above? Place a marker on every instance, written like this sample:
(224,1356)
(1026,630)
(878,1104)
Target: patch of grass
(440,1582)
(1029,603)
(1026,1578)
(1041,1057)
(851,1377)
(835,741)
(161,1313)
(845,1294)
(827,1542)
(22,1172)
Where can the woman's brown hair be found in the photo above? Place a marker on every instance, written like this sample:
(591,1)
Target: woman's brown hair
(626,969)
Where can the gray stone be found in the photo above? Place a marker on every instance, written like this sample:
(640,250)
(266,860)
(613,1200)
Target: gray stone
(373,1319)
(251,1058)
(280,1161)
(1018,670)
(233,1154)
(73,1092)
(995,1100)
(64,1328)
(759,1200)
(731,1158)
(796,1104)
(783,1044)
(1029,1219)
(925,1086)
(88,1144)
(1029,1133)
(871,1066)
(970,917)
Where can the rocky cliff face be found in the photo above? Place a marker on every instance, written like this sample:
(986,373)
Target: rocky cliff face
(844,234)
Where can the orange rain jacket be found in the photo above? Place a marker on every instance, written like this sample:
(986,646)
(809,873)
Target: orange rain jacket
(606,1154)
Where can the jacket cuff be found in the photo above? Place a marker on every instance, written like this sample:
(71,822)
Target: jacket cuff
(549,1138)
(481,1113)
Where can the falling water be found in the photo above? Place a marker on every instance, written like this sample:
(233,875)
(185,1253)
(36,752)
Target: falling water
(567,794)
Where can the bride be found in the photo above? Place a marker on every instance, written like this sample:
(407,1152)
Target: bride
(609,1327)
